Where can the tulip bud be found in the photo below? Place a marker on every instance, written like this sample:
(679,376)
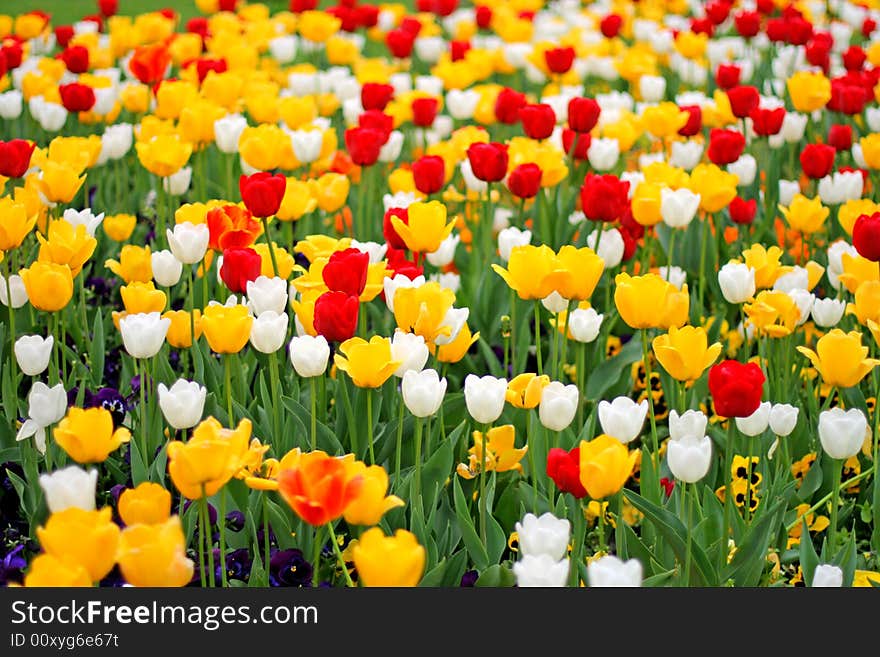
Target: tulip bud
(266,293)
(16,289)
(423,392)
(46,406)
(183,403)
(689,457)
(827,576)
(143,334)
(484,397)
(756,423)
(783,418)
(678,207)
(612,571)
(268,331)
(827,312)
(842,433)
(410,349)
(188,242)
(540,571)
(33,353)
(690,423)
(309,355)
(558,405)
(166,268)
(584,324)
(622,418)
(544,535)
(737,282)
(70,486)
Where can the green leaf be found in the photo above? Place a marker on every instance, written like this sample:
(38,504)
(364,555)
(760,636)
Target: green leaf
(96,357)
(496,576)
(749,559)
(139,472)
(607,374)
(280,526)
(812,480)
(469,536)
(435,473)
(636,549)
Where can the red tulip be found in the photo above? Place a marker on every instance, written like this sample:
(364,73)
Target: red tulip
(868,27)
(525,180)
(299,6)
(817,160)
(854,58)
(108,8)
(483,16)
(411,25)
(458,49)
(538,120)
(76,59)
(363,145)
(394,240)
(12,52)
(262,192)
(578,141)
(727,76)
(231,226)
(742,211)
(702,26)
(346,271)
(866,236)
(367,15)
(508,104)
(77,97)
(840,136)
(743,99)
(668,485)
(848,98)
(725,146)
(603,198)
(717,11)
(15,157)
(429,174)
(564,468)
(747,23)
(488,161)
(336,316)
(239,267)
(695,120)
(559,60)
(736,388)
(424,112)
(377,120)
(398,263)
(766,122)
(400,42)
(205,65)
(375,96)
(610,25)
(63,35)
(583,114)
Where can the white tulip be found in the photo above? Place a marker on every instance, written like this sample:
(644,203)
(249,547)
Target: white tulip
(583,324)
(622,418)
(69,487)
(307,144)
(46,406)
(143,334)
(558,405)
(265,293)
(166,268)
(429,49)
(83,218)
(842,433)
(827,576)
(787,190)
(268,331)
(410,349)
(555,302)
(796,279)
(422,392)
(652,88)
(309,355)
(744,169)
(793,127)
(392,284)
(455,319)
(484,397)
(611,571)
(678,207)
(611,245)
(390,151)
(674,275)
(511,237)
(375,250)
(188,242)
(462,103)
(685,154)
(540,571)
(32,353)
(16,290)
(445,253)
(183,403)
(450,280)
(545,534)
(783,419)
(398,200)
(737,281)
(804,301)
(689,457)
(178,182)
(840,187)
(116,142)
(603,153)
(472,183)
(835,260)
(827,312)
(858,156)
(689,423)
(756,423)
(52,117)
(227,132)
(11,105)
(283,48)
(634,178)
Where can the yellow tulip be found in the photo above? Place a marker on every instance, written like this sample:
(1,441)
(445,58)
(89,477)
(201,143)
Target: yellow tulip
(849,212)
(194,213)
(135,97)
(60,182)
(809,91)
(766,264)
(119,227)
(871,150)
(533,271)
(283,259)
(142,298)
(211,457)
(49,286)
(298,111)
(163,155)
(67,245)
(690,44)
(80,153)
(421,310)
(376,274)
(16,223)
(585,269)
(773,313)
(318,26)
(840,358)
(172,96)
(456,350)
(716,187)
(646,204)
(805,215)
(88,436)
(525,390)
(606,464)
(227,328)
(261,146)
(134,264)
(146,504)
(330,191)
(666,175)
(664,119)
(89,538)
(304,309)
(427,226)
(297,201)
(48,570)
(196,124)
(369,364)
(321,246)
(857,270)
(500,453)
(372,502)
(648,301)
(867,303)
(155,554)
(180,332)
(684,353)
(382,560)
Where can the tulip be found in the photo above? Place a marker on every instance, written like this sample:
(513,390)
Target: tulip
(318,488)
(48,570)
(146,504)
(827,312)
(756,423)
(558,405)
(33,352)
(46,406)
(827,576)
(163,155)
(842,433)
(178,182)
(212,456)
(604,198)
(182,404)
(678,207)
(69,487)
(15,157)
(267,293)
(410,349)
(622,418)
(336,316)
(525,390)
(684,353)
(546,534)
(16,289)
(88,435)
(533,272)
(309,355)
(372,502)
(240,266)
(541,571)
(383,560)
(227,132)
(307,144)
(484,397)
(155,555)
(689,457)
(423,392)
(736,388)
(691,423)
(427,226)
(49,286)
(268,331)
(369,364)
(135,264)
(143,333)
(648,301)
(583,324)
(445,253)
(16,225)
(488,161)
(612,571)
(89,538)
(262,193)
(840,358)
(865,234)
(603,154)
(346,271)
(737,282)
(510,238)
(227,328)
(563,467)
(783,418)
(606,464)
(166,268)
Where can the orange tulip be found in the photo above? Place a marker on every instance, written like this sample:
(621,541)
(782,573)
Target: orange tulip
(317,488)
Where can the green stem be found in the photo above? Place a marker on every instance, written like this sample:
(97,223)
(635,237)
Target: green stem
(227,373)
(689,504)
(142,379)
(203,503)
(83,315)
(276,398)
(602,546)
(837,468)
(339,556)
(533,472)
(314,417)
(579,373)
(221,520)
(349,413)
(728,493)
(483,505)
(270,244)
(538,337)
(13,363)
(399,447)
(316,556)
(192,306)
(202,574)
(266,557)
(654,441)
(701,274)
(669,254)
(370,425)
(418,464)
(512,332)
